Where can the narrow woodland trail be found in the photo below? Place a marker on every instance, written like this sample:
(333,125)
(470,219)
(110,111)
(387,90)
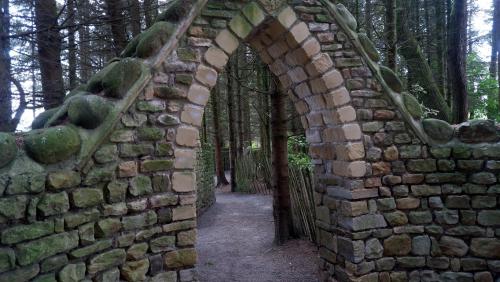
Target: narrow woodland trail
(235,243)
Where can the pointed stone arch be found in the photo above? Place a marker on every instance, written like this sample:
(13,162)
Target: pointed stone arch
(109,192)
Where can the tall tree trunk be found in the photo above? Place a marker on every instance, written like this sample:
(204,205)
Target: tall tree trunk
(440,18)
(49,52)
(231,90)
(135,16)
(72,60)
(428,32)
(263,111)
(281,192)
(219,165)
(118,28)
(238,73)
(391,33)
(457,48)
(150,11)
(368,18)
(5,72)
(495,40)
(84,41)
(418,67)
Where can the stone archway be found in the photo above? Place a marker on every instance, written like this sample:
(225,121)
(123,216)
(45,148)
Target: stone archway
(109,192)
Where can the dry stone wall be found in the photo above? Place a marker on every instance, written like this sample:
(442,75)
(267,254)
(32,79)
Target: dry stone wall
(104,189)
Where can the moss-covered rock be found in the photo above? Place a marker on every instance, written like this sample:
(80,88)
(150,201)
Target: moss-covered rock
(79,90)
(176,11)
(438,130)
(348,18)
(167,92)
(369,47)
(391,79)
(88,111)
(116,78)
(53,144)
(154,38)
(42,118)
(94,85)
(129,50)
(477,131)
(412,106)
(8,149)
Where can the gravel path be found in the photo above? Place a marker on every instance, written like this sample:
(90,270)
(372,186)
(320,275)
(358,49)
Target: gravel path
(235,243)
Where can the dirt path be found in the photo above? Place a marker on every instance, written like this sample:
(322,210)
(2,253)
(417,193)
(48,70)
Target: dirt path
(235,243)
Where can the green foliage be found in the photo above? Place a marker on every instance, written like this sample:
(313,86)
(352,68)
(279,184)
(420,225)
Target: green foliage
(482,89)
(419,92)
(297,152)
(205,171)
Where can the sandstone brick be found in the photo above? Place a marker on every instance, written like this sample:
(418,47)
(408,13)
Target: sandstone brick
(192,115)
(216,57)
(254,13)
(198,94)
(184,159)
(127,169)
(298,33)
(183,212)
(240,26)
(206,75)
(183,181)
(227,41)
(349,169)
(287,17)
(311,47)
(319,65)
(187,136)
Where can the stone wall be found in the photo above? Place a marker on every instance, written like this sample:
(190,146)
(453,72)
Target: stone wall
(399,198)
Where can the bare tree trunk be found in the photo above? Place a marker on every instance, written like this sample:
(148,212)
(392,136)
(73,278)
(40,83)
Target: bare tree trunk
(390,33)
(219,165)
(457,60)
(118,28)
(231,90)
(281,192)
(84,41)
(239,100)
(150,11)
(368,18)
(5,72)
(440,18)
(135,16)
(49,52)
(418,67)
(495,45)
(72,60)
(263,102)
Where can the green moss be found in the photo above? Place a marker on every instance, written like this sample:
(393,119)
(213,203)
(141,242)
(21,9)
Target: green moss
(369,47)
(94,85)
(391,79)
(438,130)
(8,148)
(53,144)
(187,54)
(42,118)
(153,39)
(80,90)
(347,17)
(116,78)
(88,111)
(129,50)
(177,10)
(167,92)
(412,106)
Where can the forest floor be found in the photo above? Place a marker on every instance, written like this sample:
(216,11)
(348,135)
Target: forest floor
(235,243)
